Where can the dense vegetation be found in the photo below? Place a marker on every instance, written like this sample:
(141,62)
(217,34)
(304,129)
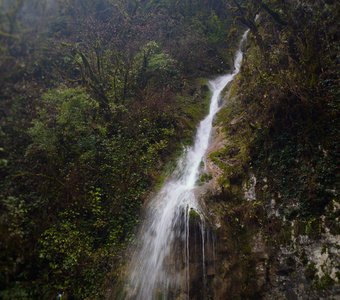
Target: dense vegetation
(288,90)
(95,97)
(281,123)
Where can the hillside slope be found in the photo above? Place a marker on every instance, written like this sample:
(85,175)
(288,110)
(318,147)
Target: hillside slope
(274,204)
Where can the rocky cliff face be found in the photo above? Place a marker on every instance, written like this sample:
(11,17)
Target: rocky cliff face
(272,200)
(261,251)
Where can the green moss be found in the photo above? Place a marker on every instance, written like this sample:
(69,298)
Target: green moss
(168,168)
(193,102)
(194,215)
(205,177)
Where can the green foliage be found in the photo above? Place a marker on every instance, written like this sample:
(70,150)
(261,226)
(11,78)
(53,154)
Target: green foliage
(217,32)
(286,105)
(96,97)
(154,67)
(68,113)
(16,292)
(16,213)
(64,247)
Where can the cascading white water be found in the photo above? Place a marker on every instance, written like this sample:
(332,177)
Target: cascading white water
(157,267)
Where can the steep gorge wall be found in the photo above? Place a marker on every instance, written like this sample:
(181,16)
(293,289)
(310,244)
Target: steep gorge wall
(259,251)
(273,203)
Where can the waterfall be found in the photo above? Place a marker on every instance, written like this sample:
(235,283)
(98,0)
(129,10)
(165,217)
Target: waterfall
(160,265)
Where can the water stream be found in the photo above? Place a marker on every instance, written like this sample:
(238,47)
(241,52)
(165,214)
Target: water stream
(160,264)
